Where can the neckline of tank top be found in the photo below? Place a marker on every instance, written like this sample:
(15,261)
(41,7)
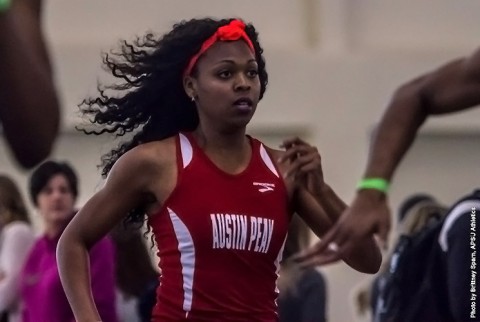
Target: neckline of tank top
(211,164)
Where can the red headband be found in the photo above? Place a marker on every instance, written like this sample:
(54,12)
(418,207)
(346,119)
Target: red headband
(235,30)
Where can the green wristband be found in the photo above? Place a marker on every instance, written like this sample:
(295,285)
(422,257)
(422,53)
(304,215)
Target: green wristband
(379,184)
(5,5)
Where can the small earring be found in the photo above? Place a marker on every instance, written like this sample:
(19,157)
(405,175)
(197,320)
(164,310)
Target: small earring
(192,98)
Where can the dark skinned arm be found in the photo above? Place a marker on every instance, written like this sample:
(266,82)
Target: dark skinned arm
(29,108)
(128,186)
(453,87)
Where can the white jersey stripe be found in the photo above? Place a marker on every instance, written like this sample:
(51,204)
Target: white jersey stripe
(187,258)
(460,209)
(266,159)
(186,149)
(278,260)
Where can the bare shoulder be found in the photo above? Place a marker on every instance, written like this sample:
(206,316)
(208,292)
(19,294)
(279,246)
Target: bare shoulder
(145,162)
(154,152)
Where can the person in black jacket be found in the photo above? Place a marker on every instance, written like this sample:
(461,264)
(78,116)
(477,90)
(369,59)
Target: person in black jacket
(303,291)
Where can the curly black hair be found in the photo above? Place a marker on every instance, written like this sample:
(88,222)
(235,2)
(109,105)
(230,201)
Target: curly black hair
(150,100)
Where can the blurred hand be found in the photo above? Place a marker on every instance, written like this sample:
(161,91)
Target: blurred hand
(305,166)
(368,214)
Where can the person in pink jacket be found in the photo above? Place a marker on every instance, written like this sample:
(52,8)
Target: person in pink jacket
(53,190)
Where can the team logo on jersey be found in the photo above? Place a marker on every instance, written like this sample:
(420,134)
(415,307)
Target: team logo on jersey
(233,231)
(264,187)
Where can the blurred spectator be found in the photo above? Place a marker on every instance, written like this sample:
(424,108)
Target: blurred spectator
(303,293)
(419,219)
(53,190)
(16,239)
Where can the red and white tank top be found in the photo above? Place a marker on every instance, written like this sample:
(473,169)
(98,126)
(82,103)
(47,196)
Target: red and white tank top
(220,238)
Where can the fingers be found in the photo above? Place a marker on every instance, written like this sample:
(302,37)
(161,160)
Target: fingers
(383,230)
(303,164)
(293,141)
(327,257)
(355,226)
(334,246)
(304,157)
(294,151)
(330,247)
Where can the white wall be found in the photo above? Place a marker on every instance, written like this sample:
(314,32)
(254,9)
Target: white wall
(81,151)
(333,65)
